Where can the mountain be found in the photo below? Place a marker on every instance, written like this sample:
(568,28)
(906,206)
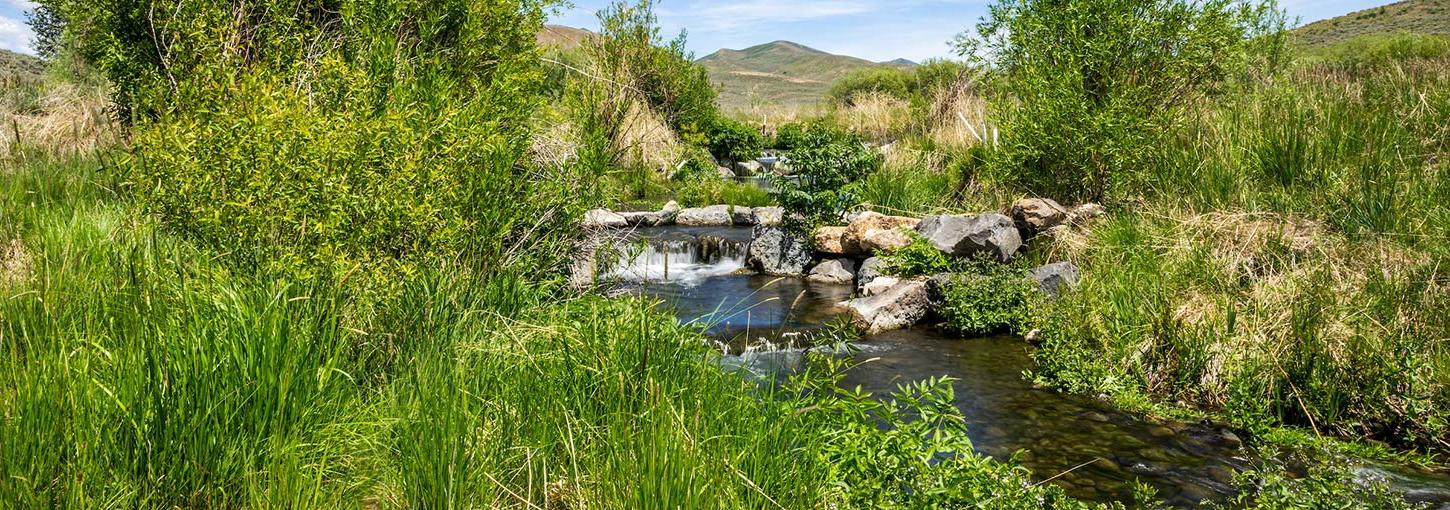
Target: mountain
(901,62)
(1422,16)
(563,37)
(16,64)
(780,72)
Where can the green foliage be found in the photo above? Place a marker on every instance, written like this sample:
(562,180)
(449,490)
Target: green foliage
(830,164)
(889,81)
(790,136)
(910,451)
(989,298)
(631,53)
(1092,98)
(1379,50)
(733,140)
(1324,488)
(919,258)
(917,85)
(398,143)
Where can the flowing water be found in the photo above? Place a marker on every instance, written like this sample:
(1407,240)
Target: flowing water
(1086,446)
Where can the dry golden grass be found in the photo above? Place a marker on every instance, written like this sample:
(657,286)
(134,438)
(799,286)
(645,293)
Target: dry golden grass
(877,117)
(68,121)
(644,139)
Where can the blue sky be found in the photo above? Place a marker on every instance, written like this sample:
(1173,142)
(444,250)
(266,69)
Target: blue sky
(872,29)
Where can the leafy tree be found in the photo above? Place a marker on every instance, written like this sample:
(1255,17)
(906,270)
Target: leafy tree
(49,28)
(1097,81)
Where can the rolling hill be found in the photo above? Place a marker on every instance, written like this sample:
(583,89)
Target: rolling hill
(16,64)
(563,37)
(1422,16)
(780,72)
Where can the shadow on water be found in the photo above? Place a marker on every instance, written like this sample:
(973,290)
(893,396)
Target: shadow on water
(1084,445)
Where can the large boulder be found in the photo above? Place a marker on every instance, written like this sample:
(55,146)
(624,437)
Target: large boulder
(604,218)
(1052,279)
(713,216)
(742,216)
(839,271)
(878,285)
(872,232)
(671,209)
(832,241)
(768,216)
(724,173)
(967,235)
(748,168)
(900,306)
(776,251)
(1035,215)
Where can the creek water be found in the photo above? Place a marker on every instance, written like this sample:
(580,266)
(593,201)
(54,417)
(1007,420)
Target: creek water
(1094,451)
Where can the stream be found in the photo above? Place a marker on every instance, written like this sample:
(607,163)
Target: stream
(1089,448)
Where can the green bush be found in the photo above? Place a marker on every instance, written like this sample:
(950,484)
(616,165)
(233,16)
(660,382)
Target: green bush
(789,136)
(400,144)
(919,258)
(989,298)
(732,140)
(1375,50)
(888,81)
(631,53)
(1092,98)
(829,164)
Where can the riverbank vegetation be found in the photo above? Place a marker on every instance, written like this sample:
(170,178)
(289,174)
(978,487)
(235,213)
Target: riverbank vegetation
(317,257)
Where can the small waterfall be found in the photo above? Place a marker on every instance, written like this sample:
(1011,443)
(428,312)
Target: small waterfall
(680,257)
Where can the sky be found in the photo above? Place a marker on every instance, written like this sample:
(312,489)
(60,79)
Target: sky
(872,29)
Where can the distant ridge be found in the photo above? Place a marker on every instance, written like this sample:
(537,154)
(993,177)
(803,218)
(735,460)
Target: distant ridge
(780,72)
(560,36)
(18,64)
(1420,16)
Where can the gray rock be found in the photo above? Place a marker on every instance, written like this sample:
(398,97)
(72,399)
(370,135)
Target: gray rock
(901,306)
(747,168)
(1086,212)
(724,173)
(776,251)
(879,285)
(713,216)
(671,209)
(1052,279)
(604,218)
(967,235)
(742,216)
(1035,215)
(644,219)
(839,271)
(768,216)
(870,271)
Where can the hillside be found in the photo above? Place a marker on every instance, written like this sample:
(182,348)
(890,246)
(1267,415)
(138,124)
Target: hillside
(12,63)
(780,72)
(563,37)
(1422,16)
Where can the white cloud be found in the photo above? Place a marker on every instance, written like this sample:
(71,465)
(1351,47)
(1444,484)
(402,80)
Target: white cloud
(15,35)
(23,5)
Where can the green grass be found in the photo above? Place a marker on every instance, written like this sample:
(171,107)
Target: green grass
(136,371)
(1288,267)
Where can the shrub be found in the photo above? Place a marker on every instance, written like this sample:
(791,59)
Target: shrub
(989,298)
(789,136)
(919,258)
(1091,98)
(829,165)
(399,143)
(732,140)
(887,81)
